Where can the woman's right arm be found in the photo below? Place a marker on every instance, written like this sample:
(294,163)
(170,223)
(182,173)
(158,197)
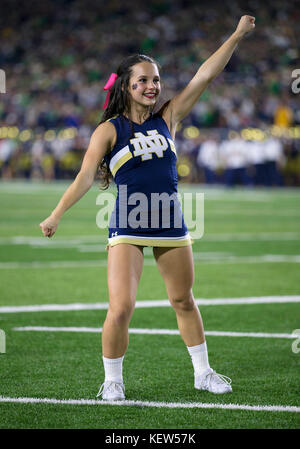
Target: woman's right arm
(102,140)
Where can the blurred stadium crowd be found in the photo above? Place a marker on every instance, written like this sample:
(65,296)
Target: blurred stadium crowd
(57,56)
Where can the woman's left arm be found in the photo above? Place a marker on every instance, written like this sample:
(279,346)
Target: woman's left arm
(180,106)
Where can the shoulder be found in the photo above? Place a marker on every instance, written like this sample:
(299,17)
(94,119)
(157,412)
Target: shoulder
(165,112)
(106,133)
(113,119)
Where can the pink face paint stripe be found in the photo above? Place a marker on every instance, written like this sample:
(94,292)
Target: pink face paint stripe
(108,87)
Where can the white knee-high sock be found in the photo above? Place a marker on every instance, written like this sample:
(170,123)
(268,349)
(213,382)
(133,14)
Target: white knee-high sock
(113,369)
(199,358)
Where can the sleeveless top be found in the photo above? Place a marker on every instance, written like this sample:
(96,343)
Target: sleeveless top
(143,163)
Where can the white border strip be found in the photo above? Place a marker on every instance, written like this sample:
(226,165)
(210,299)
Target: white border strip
(118,156)
(264,408)
(152,331)
(74,241)
(80,239)
(150,304)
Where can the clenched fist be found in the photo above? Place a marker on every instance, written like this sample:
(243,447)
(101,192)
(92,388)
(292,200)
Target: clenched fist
(245,25)
(49,226)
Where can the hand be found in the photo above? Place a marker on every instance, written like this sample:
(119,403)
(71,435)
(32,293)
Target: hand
(245,25)
(49,226)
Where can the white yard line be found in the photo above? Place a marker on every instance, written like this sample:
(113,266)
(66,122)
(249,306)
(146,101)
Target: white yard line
(127,403)
(248,236)
(149,304)
(56,264)
(219,258)
(152,332)
(199,258)
(73,241)
(253,213)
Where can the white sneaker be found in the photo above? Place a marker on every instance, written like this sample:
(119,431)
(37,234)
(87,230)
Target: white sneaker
(213,382)
(112,391)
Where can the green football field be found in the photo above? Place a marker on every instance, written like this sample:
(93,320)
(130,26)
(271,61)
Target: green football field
(247,284)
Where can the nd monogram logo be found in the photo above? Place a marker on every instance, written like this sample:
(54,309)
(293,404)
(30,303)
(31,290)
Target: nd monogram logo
(146,145)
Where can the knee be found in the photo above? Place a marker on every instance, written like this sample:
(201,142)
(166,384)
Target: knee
(183,302)
(121,314)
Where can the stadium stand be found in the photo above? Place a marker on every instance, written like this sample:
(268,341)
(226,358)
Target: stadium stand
(58,55)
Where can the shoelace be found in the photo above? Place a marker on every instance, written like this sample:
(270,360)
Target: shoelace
(109,385)
(100,391)
(220,378)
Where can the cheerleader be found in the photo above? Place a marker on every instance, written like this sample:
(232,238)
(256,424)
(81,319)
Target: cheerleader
(136,147)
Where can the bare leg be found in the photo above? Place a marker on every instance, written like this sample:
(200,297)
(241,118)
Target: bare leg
(124,269)
(177,269)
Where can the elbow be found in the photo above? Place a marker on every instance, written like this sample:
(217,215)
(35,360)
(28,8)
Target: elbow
(207,76)
(85,178)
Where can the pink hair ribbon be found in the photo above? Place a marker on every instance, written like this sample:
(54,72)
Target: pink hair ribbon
(108,87)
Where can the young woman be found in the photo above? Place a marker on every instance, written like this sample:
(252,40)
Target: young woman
(137,148)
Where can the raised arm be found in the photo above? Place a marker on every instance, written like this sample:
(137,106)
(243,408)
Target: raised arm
(102,139)
(181,105)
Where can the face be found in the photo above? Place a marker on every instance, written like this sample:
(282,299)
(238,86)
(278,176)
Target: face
(144,84)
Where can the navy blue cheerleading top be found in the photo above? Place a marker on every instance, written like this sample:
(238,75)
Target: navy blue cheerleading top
(143,163)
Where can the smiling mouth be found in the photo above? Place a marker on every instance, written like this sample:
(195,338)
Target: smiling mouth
(149,95)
